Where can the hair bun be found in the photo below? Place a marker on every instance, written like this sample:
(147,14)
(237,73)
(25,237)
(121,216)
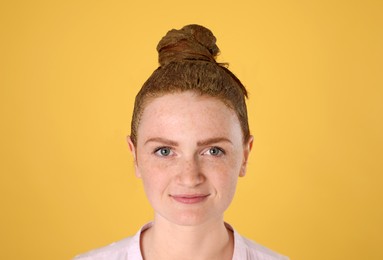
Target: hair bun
(192,42)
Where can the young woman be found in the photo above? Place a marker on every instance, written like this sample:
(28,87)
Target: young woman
(190,141)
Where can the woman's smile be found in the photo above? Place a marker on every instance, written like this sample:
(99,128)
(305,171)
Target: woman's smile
(189,198)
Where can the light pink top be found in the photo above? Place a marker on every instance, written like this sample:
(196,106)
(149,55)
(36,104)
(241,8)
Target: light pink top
(129,249)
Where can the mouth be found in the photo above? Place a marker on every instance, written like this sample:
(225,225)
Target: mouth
(190,198)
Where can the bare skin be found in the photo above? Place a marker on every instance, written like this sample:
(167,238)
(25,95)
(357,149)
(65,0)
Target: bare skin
(189,155)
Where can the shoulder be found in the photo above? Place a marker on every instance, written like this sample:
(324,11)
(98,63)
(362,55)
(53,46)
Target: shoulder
(257,251)
(117,250)
(247,249)
(128,248)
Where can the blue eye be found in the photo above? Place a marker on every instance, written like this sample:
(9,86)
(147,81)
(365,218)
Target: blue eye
(163,151)
(215,151)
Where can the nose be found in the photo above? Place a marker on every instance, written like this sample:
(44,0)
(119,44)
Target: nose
(190,173)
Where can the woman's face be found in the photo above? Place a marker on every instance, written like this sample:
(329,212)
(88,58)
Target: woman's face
(189,154)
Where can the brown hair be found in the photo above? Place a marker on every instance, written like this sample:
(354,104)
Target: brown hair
(187,63)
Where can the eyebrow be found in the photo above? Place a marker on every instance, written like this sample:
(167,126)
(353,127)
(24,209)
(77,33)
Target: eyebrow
(162,140)
(199,143)
(213,141)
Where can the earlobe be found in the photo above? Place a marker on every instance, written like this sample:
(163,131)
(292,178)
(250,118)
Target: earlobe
(246,152)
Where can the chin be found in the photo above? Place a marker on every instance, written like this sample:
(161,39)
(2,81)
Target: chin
(191,218)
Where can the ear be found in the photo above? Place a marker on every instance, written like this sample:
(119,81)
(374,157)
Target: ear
(133,150)
(246,152)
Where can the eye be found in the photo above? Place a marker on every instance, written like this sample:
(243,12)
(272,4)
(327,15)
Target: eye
(215,151)
(163,151)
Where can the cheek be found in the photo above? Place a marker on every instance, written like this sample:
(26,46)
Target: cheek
(154,185)
(224,174)
(155,174)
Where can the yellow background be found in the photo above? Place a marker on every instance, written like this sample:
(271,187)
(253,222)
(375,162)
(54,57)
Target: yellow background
(69,74)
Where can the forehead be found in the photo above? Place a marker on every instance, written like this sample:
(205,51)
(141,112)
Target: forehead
(184,98)
(187,112)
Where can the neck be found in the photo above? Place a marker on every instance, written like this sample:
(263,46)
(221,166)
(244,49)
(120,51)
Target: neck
(166,240)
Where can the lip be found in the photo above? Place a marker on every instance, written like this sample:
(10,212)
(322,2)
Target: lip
(190,198)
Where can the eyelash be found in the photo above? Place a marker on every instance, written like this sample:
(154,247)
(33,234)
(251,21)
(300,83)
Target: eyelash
(220,150)
(158,150)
